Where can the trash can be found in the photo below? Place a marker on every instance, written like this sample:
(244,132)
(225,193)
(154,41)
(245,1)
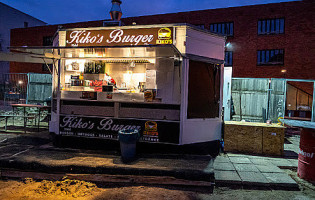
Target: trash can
(306,161)
(128,140)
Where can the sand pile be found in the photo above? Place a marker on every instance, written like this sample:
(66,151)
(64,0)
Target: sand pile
(65,187)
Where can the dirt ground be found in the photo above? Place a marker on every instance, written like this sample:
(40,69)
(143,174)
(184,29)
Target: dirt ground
(80,190)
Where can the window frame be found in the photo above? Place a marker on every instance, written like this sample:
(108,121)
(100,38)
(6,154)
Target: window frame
(230,56)
(263,54)
(202,26)
(226,26)
(275,26)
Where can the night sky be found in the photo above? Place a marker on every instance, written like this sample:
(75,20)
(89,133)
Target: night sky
(68,11)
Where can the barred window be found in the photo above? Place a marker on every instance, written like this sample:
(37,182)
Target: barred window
(270,57)
(228,59)
(226,28)
(202,26)
(271,26)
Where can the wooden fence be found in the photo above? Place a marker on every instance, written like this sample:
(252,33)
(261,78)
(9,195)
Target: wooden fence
(257,100)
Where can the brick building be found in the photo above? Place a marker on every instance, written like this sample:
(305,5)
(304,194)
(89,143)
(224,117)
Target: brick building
(271,40)
(11,18)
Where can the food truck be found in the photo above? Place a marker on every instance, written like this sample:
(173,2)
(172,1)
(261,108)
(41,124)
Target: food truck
(163,80)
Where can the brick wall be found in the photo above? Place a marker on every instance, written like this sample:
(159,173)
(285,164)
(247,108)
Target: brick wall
(297,41)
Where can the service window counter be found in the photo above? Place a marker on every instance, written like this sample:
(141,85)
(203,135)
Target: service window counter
(163,80)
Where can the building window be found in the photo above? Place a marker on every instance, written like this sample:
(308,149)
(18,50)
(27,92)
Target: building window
(48,41)
(271,26)
(45,68)
(202,26)
(228,59)
(25,24)
(226,28)
(270,57)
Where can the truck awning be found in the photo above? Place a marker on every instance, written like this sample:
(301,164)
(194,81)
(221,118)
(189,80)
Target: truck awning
(24,57)
(121,52)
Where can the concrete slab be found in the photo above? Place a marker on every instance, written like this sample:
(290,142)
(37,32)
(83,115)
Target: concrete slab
(294,162)
(56,161)
(222,159)
(260,161)
(269,168)
(236,155)
(245,167)
(227,177)
(280,180)
(209,168)
(282,162)
(223,166)
(253,178)
(240,160)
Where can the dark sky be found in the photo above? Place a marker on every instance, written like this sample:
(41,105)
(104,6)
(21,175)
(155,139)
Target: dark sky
(67,11)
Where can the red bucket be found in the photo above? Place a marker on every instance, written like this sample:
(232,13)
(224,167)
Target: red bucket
(306,165)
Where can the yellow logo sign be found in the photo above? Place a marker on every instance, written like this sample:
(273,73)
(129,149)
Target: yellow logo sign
(151,128)
(165,36)
(165,33)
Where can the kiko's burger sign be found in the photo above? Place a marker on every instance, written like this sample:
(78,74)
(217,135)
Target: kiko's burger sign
(119,37)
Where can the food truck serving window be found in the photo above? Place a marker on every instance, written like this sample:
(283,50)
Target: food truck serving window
(137,74)
(203,90)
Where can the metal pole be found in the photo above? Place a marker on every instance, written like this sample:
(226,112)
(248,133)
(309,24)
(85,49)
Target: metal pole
(268,96)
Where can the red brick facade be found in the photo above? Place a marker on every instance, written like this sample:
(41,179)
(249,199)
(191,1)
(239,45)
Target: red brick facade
(297,41)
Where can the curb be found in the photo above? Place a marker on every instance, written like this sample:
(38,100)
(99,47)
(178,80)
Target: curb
(189,175)
(114,180)
(256,185)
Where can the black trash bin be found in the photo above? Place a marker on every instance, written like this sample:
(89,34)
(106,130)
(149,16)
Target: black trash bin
(128,140)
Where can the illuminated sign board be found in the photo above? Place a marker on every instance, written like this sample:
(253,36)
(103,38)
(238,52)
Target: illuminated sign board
(119,37)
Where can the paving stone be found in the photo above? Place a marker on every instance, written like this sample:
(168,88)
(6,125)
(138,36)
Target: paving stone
(239,160)
(224,166)
(253,178)
(209,168)
(282,162)
(236,155)
(269,168)
(294,162)
(280,179)
(227,176)
(221,159)
(290,154)
(260,161)
(245,167)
